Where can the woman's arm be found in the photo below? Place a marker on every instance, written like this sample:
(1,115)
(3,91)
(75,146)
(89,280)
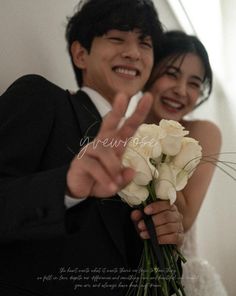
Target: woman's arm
(190,199)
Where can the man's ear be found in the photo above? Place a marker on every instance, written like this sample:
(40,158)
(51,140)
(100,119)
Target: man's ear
(79,54)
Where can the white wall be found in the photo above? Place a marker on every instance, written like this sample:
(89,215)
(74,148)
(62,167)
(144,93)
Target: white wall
(229,41)
(166,15)
(32,41)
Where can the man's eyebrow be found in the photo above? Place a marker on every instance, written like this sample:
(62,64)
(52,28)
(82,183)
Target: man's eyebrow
(145,37)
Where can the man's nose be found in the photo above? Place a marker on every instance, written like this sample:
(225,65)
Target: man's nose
(131,51)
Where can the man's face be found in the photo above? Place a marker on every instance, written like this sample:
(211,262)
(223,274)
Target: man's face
(119,61)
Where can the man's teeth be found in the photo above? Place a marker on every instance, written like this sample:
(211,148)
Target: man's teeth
(172,104)
(126,71)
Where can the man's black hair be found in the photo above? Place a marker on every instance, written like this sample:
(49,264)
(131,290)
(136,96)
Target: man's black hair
(96,17)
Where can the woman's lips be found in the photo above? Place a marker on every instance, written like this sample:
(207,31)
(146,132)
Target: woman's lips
(172,104)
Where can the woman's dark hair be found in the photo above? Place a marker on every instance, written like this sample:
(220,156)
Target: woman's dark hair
(177,44)
(96,17)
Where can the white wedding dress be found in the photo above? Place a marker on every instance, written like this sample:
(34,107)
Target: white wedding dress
(199,277)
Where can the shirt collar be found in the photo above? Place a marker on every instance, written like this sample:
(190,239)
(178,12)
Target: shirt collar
(102,105)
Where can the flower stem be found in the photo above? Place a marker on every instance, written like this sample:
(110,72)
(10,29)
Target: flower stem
(171,250)
(147,268)
(168,253)
(180,256)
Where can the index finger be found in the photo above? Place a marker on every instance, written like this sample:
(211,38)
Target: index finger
(113,118)
(139,115)
(157,207)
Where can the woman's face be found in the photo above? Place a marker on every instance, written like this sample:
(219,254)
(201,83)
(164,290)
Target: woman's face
(177,90)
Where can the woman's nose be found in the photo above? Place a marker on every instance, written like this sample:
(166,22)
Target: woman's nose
(181,88)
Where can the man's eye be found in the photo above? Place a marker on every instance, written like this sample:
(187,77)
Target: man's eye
(115,39)
(146,44)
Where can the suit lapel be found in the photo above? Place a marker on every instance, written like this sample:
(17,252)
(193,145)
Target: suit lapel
(111,212)
(87,116)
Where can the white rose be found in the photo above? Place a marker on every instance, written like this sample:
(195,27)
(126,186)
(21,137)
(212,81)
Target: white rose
(171,143)
(134,194)
(181,180)
(189,156)
(146,140)
(165,184)
(144,170)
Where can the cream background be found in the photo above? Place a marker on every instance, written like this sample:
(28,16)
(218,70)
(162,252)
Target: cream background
(32,41)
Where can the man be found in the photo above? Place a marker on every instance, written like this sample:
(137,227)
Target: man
(61,232)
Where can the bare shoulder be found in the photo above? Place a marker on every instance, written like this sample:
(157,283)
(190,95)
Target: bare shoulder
(206,132)
(203,127)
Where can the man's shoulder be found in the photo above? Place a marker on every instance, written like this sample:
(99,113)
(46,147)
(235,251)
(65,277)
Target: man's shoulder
(33,94)
(35,82)
(33,87)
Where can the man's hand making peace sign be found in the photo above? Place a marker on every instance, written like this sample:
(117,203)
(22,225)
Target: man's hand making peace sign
(97,170)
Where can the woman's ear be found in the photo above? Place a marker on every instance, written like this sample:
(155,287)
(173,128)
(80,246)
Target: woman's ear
(79,54)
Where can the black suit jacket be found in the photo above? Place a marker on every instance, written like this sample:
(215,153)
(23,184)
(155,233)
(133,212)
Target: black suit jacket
(44,248)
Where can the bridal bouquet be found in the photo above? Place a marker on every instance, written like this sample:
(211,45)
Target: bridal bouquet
(164,159)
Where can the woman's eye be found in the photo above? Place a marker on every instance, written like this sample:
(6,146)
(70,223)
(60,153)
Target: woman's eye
(195,85)
(171,74)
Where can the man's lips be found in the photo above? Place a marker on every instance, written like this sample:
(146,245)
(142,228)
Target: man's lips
(128,71)
(171,103)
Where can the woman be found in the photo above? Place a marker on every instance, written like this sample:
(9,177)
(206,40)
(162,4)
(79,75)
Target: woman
(182,81)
